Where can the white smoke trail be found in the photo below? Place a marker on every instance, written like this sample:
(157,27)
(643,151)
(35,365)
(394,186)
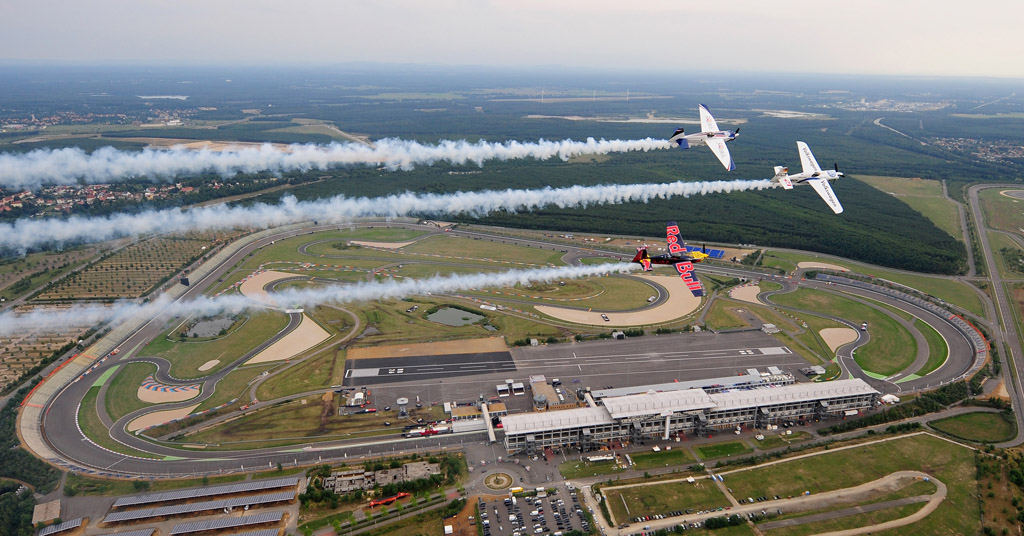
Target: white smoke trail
(68,166)
(11,324)
(24,234)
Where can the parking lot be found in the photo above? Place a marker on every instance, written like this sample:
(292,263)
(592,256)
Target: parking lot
(555,511)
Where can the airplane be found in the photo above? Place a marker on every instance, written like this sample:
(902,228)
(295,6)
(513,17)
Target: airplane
(813,175)
(681,259)
(710,135)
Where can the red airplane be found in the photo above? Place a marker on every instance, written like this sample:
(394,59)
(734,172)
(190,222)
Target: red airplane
(677,256)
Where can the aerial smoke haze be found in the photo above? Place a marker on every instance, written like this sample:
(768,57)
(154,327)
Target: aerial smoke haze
(43,167)
(25,234)
(11,323)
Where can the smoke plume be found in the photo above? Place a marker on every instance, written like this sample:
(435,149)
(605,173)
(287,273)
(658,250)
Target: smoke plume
(26,234)
(11,323)
(69,166)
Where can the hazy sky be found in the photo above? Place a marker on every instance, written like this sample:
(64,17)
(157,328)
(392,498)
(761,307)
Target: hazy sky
(918,37)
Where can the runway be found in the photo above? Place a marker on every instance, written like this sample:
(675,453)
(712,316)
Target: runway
(425,367)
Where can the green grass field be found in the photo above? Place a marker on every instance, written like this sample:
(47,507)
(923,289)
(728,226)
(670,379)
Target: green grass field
(722,450)
(122,394)
(999,241)
(611,293)
(665,458)
(94,429)
(662,498)
(891,348)
(938,350)
(922,195)
(1002,212)
(722,315)
(186,357)
(485,250)
(981,427)
(955,292)
(233,385)
(296,422)
(579,468)
(850,522)
(326,368)
(831,470)
(776,439)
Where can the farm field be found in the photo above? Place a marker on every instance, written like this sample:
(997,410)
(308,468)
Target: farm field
(19,276)
(131,272)
(922,195)
(949,462)
(955,292)
(22,351)
(891,348)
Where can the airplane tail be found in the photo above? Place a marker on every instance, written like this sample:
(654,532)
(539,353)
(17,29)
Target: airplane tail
(643,259)
(782,177)
(679,136)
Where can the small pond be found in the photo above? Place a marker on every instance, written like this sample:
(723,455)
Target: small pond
(210,327)
(454,317)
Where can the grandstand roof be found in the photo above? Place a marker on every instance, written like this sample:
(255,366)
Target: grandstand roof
(797,392)
(528,423)
(654,403)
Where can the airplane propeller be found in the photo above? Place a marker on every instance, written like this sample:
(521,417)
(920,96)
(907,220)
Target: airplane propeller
(838,173)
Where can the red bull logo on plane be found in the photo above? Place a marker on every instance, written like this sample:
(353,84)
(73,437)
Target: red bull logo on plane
(685,270)
(674,246)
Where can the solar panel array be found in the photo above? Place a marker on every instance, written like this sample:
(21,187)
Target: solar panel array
(67,525)
(140,532)
(226,523)
(195,493)
(261,532)
(182,509)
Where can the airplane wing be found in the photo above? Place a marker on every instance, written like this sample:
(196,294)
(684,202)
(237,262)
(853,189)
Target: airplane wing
(717,145)
(810,165)
(825,191)
(707,123)
(685,270)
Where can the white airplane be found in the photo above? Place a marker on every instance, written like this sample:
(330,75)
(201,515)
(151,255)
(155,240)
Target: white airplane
(709,134)
(813,175)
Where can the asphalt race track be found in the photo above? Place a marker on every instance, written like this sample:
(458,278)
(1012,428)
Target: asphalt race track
(635,361)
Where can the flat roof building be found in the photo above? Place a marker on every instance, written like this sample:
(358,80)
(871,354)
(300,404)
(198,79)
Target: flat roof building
(654,414)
